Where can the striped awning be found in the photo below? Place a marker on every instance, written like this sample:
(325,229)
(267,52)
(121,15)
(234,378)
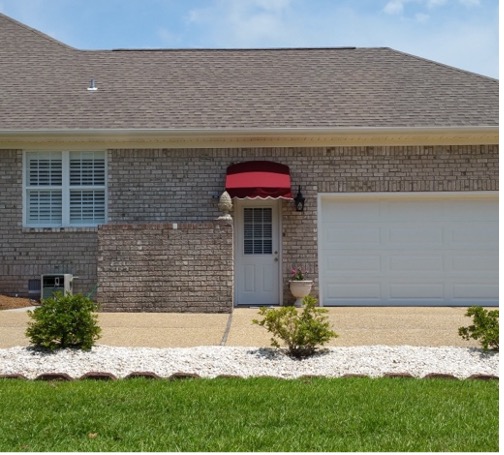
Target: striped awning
(259,179)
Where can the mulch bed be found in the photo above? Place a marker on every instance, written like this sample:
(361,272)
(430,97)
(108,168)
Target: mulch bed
(11,303)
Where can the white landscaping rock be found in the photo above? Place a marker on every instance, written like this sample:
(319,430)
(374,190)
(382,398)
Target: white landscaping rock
(212,361)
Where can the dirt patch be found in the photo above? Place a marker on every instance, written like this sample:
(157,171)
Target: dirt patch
(10,303)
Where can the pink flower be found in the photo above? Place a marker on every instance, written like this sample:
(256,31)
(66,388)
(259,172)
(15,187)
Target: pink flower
(298,274)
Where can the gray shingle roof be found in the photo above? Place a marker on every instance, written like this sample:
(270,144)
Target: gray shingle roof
(43,86)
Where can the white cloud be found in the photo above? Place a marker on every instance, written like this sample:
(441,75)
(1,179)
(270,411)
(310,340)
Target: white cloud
(229,9)
(272,5)
(450,34)
(435,3)
(199,15)
(422,17)
(398,7)
(394,7)
(244,23)
(167,37)
(470,3)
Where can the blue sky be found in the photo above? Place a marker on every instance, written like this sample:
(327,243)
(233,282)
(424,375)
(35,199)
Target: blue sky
(461,33)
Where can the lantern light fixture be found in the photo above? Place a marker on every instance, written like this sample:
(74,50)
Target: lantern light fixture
(299,201)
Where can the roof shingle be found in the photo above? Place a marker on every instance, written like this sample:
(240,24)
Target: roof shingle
(43,85)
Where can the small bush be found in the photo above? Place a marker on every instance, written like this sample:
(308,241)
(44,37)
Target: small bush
(301,331)
(64,321)
(485,327)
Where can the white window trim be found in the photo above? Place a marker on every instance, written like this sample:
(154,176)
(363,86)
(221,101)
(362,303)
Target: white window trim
(65,188)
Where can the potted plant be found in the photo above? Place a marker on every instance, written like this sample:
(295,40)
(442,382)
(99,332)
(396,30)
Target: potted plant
(300,287)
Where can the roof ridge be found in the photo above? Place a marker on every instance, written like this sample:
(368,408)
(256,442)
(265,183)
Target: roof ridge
(234,49)
(36,32)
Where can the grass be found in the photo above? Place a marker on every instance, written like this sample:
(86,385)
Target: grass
(260,414)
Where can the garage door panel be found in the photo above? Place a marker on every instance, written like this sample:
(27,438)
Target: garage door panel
(346,291)
(341,236)
(409,249)
(408,212)
(412,236)
(481,211)
(424,290)
(416,263)
(474,263)
(475,292)
(361,210)
(355,262)
(467,236)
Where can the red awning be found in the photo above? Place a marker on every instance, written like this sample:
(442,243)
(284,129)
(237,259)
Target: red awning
(258,179)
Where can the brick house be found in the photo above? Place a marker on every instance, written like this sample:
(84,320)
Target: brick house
(112,164)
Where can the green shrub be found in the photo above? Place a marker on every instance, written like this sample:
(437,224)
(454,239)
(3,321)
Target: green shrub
(485,327)
(64,321)
(301,331)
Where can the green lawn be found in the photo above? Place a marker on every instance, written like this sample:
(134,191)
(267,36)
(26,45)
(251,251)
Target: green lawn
(261,414)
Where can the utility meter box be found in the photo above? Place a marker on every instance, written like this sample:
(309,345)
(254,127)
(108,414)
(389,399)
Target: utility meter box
(49,284)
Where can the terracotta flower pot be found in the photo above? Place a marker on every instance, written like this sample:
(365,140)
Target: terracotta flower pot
(300,289)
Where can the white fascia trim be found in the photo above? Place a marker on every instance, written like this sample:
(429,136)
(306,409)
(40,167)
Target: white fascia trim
(246,137)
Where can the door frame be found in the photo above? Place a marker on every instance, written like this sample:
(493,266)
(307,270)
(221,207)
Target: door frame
(239,205)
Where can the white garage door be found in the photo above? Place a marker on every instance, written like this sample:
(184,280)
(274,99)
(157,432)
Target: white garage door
(408,249)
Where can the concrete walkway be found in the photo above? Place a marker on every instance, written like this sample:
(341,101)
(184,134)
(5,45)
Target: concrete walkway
(414,326)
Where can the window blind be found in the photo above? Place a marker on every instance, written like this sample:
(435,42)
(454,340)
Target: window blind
(65,188)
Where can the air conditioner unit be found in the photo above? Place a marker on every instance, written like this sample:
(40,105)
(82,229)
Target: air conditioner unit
(62,282)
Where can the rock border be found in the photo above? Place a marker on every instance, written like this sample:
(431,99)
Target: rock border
(180,375)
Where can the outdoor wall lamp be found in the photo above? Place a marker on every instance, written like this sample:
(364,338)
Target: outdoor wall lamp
(299,201)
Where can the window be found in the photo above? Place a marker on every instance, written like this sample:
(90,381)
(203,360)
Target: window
(257,233)
(64,189)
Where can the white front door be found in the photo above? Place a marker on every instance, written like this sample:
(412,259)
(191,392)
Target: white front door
(257,255)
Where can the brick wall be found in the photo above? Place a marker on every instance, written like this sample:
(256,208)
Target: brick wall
(166,185)
(165,267)
(27,253)
(159,186)
(374,169)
